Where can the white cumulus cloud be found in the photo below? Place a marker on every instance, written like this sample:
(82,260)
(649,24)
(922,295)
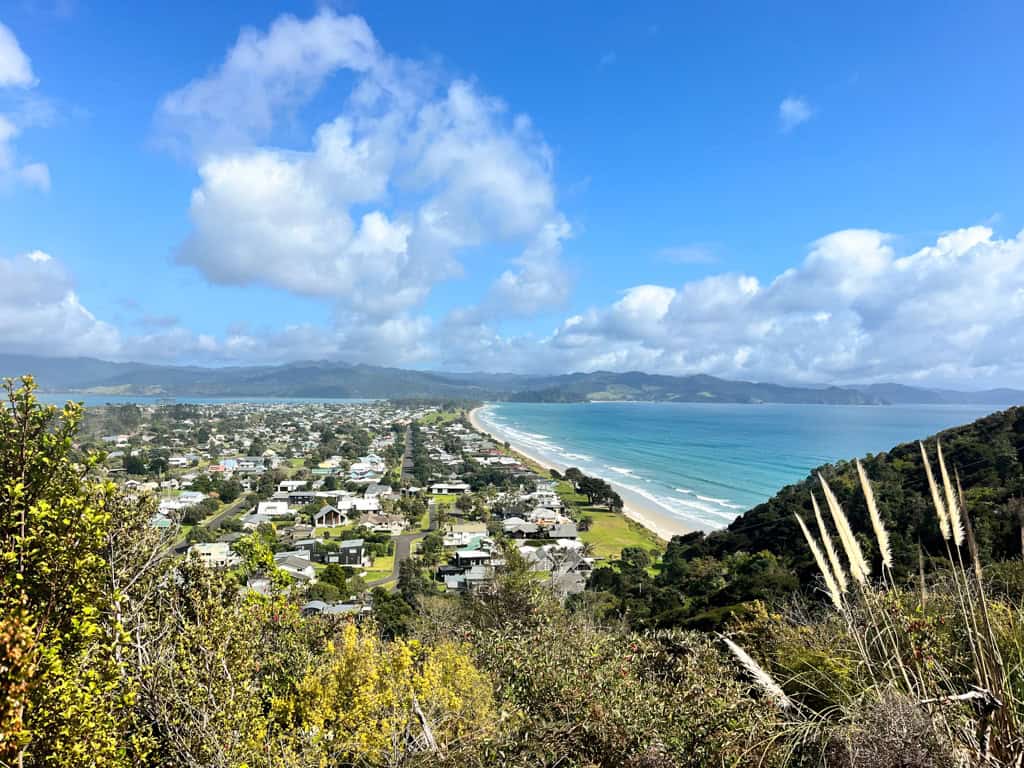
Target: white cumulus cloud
(853,310)
(792,112)
(16,72)
(376,211)
(40,310)
(15,67)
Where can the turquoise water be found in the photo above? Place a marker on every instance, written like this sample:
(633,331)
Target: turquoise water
(706,463)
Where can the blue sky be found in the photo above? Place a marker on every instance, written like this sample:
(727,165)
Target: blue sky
(801,194)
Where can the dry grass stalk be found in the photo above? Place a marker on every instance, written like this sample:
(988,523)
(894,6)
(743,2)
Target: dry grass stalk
(996,740)
(881,534)
(859,568)
(940,507)
(826,571)
(761,678)
(956,522)
(830,549)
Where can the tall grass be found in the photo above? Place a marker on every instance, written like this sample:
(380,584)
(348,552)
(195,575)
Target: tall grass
(963,693)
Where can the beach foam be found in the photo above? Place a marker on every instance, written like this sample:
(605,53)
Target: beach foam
(540,447)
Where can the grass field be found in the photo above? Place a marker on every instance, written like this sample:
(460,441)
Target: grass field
(382,567)
(568,494)
(611,532)
(440,417)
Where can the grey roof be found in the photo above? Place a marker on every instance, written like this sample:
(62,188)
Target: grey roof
(351,543)
(293,562)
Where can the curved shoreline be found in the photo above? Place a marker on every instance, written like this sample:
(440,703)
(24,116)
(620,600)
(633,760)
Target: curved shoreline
(663,525)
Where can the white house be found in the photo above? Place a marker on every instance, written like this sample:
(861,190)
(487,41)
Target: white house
(445,488)
(274,509)
(215,554)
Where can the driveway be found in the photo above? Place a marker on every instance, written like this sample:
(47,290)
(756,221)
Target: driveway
(403,551)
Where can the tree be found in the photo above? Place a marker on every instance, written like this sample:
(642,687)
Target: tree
(432,549)
(393,614)
(323,591)
(465,504)
(200,534)
(336,576)
(411,582)
(229,490)
(412,509)
(134,465)
(60,632)
(158,465)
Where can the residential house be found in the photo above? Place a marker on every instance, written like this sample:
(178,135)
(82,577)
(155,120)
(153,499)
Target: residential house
(350,552)
(379,523)
(215,554)
(329,516)
(299,568)
(449,487)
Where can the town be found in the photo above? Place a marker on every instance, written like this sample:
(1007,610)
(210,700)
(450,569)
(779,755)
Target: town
(340,503)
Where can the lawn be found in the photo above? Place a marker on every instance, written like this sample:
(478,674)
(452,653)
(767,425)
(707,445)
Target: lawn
(334,532)
(425,521)
(611,532)
(445,498)
(382,567)
(440,417)
(568,494)
(183,530)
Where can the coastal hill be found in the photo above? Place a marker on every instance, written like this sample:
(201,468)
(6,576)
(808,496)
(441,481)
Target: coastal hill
(762,555)
(339,379)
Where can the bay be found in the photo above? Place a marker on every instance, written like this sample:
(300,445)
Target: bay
(704,463)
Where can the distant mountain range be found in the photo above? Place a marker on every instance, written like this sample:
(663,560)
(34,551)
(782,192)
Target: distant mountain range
(333,379)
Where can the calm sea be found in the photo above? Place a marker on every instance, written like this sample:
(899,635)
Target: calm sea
(706,463)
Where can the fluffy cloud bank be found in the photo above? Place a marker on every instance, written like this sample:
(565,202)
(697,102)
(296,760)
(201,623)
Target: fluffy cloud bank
(16,73)
(375,212)
(854,310)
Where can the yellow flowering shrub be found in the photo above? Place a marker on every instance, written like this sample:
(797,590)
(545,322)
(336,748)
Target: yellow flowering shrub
(361,703)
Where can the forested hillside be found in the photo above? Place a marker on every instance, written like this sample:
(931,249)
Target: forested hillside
(762,554)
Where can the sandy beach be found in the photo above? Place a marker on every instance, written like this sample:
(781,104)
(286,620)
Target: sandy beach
(635,507)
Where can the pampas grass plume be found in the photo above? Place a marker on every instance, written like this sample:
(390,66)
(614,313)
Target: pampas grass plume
(881,534)
(830,549)
(859,568)
(762,679)
(956,522)
(826,571)
(940,507)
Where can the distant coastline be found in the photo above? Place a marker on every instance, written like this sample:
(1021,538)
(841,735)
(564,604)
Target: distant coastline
(663,525)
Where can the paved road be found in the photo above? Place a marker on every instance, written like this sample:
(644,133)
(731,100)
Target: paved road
(222,517)
(215,522)
(403,550)
(407,456)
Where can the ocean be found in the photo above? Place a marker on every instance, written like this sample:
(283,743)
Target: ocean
(703,464)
